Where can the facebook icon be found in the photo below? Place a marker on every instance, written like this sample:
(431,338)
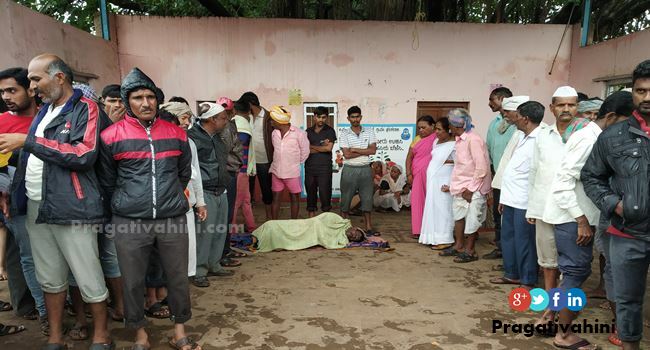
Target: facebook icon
(558,300)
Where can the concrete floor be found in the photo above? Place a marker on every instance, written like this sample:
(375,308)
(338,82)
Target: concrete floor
(408,298)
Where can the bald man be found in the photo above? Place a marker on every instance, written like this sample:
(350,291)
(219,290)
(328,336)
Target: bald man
(57,188)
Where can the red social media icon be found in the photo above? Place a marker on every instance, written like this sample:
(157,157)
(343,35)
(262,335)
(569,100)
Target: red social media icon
(519,299)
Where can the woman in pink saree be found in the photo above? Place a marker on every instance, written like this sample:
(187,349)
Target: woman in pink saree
(417,163)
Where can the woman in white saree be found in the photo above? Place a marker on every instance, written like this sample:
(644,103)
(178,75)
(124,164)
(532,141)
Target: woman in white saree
(437,221)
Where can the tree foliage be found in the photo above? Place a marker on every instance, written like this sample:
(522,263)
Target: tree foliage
(610,18)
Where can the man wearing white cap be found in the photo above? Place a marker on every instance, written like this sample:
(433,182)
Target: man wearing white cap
(549,148)
(499,134)
(291,149)
(212,152)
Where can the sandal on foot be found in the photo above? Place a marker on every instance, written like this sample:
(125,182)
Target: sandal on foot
(102,346)
(228,262)
(157,310)
(503,280)
(201,282)
(576,346)
(465,258)
(78,332)
(52,346)
(180,343)
(614,339)
(451,251)
(45,326)
(31,316)
(10,329)
(440,246)
(5,306)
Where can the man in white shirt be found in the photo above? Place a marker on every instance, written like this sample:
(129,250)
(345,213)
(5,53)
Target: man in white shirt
(549,147)
(575,215)
(61,196)
(263,148)
(517,235)
(358,143)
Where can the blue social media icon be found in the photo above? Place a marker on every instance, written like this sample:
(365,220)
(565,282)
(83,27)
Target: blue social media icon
(538,299)
(576,299)
(556,299)
(406,134)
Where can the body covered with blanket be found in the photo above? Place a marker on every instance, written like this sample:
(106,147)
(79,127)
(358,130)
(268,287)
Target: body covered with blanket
(328,230)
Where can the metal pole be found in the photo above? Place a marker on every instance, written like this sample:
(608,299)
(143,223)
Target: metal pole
(103,12)
(586,19)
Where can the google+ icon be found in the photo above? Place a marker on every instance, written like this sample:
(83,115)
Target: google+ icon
(520,299)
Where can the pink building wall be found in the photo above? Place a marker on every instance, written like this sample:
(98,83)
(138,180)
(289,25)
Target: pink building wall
(25,33)
(612,58)
(370,64)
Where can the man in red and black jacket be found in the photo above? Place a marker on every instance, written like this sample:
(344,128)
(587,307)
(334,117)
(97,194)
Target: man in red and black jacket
(57,187)
(145,166)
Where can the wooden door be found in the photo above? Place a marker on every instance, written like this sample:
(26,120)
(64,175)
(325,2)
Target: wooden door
(438,109)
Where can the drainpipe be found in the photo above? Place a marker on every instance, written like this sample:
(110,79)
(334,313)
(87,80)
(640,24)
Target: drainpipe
(103,15)
(586,19)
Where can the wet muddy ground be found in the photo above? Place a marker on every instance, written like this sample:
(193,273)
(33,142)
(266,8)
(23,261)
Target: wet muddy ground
(408,298)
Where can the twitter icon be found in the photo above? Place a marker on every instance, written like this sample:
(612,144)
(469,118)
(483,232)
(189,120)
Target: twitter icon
(538,299)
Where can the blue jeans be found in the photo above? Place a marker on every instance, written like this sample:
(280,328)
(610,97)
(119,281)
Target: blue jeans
(17,228)
(629,271)
(601,242)
(518,246)
(574,261)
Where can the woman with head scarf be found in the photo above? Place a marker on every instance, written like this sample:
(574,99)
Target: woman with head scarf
(393,192)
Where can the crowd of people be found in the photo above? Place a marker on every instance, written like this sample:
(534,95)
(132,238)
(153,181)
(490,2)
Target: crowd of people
(113,205)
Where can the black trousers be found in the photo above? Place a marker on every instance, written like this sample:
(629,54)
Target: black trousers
(264,178)
(231,195)
(318,184)
(135,240)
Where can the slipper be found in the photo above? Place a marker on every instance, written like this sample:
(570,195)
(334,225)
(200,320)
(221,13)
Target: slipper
(9,329)
(503,280)
(158,311)
(451,251)
(228,262)
(3,278)
(614,339)
(440,246)
(180,343)
(575,346)
(52,346)
(465,258)
(5,306)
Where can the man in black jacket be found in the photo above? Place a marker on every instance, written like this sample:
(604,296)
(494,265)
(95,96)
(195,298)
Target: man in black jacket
(616,179)
(57,187)
(212,152)
(145,167)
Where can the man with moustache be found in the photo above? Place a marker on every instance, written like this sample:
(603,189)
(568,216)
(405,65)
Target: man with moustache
(318,167)
(57,188)
(145,168)
(113,105)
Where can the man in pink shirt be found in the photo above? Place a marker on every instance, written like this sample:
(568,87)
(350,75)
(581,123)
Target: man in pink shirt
(291,147)
(470,185)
